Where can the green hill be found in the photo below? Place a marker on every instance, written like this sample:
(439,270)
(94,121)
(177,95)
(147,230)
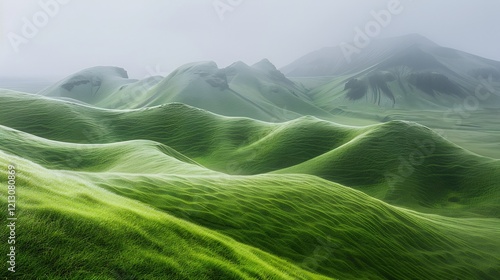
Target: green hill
(401,163)
(175,190)
(409,165)
(68,228)
(313,224)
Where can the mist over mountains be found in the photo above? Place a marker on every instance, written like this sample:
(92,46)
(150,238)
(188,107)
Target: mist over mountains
(403,72)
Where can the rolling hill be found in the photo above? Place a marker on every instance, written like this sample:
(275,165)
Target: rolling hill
(384,167)
(73,229)
(131,219)
(402,163)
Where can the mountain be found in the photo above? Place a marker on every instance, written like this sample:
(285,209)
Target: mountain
(408,72)
(263,83)
(135,193)
(404,72)
(260,91)
(331,61)
(90,85)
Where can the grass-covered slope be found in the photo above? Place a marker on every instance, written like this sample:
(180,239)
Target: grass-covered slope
(322,226)
(69,228)
(314,224)
(148,157)
(407,165)
(85,170)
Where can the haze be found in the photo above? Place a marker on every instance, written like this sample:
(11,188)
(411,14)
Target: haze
(155,37)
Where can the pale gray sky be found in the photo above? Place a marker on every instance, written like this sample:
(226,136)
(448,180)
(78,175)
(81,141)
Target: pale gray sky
(143,35)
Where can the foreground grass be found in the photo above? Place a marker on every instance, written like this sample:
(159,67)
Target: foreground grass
(325,227)
(257,226)
(70,229)
(315,224)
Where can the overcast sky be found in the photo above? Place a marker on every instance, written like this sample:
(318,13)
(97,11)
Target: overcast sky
(148,36)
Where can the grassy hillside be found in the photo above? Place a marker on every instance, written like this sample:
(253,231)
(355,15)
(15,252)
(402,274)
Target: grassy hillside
(111,160)
(400,163)
(68,228)
(328,228)
(314,224)
(407,164)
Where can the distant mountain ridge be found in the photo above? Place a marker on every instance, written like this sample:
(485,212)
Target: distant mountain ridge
(407,72)
(404,72)
(259,91)
(331,61)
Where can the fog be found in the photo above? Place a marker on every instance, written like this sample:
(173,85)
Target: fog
(54,38)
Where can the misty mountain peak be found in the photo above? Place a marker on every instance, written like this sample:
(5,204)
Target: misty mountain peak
(238,66)
(200,68)
(264,65)
(333,61)
(102,71)
(414,39)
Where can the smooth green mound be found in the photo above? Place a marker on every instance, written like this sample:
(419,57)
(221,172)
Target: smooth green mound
(399,162)
(124,193)
(409,165)
(68,228)
(315,224)
(322,226)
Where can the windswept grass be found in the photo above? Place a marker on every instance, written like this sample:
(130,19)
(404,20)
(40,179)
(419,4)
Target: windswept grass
(68,228)
(399,162)
(322,226)
(177,192)
(314,224)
